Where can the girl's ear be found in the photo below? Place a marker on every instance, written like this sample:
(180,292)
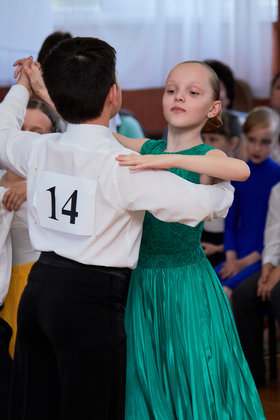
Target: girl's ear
(215,109)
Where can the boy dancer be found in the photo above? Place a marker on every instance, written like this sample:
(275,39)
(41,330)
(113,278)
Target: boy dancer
(85,215)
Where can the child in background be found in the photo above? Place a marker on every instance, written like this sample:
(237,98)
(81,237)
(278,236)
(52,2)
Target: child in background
(39,118)
(226,138)
(275,93)
(184,359)
(244,225)
(275,104)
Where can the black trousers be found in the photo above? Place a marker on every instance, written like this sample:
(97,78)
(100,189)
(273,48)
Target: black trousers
(70,355)
(248,311)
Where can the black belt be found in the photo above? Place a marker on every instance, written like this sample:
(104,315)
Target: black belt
(51,258)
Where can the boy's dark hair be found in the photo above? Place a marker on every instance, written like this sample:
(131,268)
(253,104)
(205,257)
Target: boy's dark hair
(231,126)
(47,110)
(51,41)
(225,75)
(78,74)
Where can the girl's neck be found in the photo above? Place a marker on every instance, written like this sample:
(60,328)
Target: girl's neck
(178,140)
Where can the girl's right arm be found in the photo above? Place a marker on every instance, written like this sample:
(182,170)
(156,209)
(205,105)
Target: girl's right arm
(215,164)
(133,144)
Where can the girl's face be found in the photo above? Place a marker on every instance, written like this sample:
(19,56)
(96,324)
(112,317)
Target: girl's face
(37,121)
(188,96)
(259,143)
(275,96)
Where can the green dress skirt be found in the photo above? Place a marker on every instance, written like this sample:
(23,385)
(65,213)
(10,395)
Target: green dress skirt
(184,358)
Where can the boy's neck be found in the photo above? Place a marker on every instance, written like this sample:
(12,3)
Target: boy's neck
(104,118)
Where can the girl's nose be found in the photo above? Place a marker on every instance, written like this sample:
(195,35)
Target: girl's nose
(179,97)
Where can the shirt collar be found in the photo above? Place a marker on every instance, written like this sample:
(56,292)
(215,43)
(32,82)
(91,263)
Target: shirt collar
(82,134)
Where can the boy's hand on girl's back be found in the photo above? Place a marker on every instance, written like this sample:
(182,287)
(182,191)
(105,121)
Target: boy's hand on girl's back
(15,196)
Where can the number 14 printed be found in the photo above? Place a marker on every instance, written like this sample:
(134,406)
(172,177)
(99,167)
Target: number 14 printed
(65,203)
(72,213)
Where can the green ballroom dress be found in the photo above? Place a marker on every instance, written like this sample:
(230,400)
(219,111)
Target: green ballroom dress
(184,358)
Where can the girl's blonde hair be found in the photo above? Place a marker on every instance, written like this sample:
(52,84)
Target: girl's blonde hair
(262,117)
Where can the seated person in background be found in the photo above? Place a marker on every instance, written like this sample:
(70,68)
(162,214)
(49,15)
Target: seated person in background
(39,118)
(124,122)
(226,138)
(227,82)
(51,41)
(275,104)
(227,97)
(260,292)
(245,222)
(275,93)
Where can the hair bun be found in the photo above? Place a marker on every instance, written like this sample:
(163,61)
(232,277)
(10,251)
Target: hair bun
(213,123)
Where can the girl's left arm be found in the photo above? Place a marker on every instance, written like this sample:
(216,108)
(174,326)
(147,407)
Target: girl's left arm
(215,164)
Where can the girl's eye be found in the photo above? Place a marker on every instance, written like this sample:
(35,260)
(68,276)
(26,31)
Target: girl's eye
(193,92)
(171,91)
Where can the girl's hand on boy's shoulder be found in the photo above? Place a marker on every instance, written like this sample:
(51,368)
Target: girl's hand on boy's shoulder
(137,162)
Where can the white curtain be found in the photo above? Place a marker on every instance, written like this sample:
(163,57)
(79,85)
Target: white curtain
(23,27)
(151,36)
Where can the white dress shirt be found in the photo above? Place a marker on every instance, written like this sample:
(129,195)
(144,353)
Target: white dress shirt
(271,252)
(6,218)
(15,245)
(81,203)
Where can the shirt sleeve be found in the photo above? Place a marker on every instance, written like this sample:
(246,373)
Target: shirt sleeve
(6,218)
(15,144)
(171,198)
(271,252)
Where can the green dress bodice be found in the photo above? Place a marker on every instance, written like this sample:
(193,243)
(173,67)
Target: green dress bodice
(171,244)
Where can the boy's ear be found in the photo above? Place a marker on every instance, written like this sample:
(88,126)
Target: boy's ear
(113,95)
(215,109)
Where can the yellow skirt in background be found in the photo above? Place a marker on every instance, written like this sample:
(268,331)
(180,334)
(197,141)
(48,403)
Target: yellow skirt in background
(9,312)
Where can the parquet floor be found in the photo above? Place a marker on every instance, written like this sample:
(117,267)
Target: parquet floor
(270,397)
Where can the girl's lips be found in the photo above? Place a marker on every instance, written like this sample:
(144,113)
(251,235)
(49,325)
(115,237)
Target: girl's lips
(177,108)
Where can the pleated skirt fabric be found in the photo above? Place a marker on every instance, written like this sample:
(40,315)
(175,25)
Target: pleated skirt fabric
(184,358)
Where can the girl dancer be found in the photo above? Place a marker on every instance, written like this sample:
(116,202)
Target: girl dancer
(184,358)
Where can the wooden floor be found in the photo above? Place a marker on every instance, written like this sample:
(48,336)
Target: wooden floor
(270,397)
